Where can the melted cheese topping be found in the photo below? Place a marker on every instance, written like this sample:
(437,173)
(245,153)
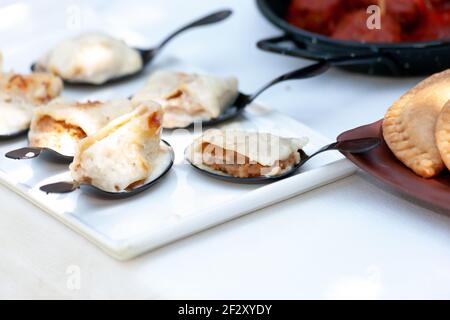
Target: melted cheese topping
(121,155)
(239,148)
(187,98)
(61,124)
(91,58)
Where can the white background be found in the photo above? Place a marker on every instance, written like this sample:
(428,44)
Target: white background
(352,239)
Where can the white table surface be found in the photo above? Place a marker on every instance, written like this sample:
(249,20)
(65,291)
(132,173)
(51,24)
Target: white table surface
(351,239)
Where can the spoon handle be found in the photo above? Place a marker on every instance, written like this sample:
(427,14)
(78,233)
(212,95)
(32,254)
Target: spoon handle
(24,153)
(361,145)
(351,146)
(59,187)
(303,73)
(209,19)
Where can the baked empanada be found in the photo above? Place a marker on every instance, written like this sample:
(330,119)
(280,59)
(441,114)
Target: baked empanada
(443,134)
(245,154)
(91,58)
(61,124)
(409,125)
(123,154)
(36,88)
(186,98)
(20,94)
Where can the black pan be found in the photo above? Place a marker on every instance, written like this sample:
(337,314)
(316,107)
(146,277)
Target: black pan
(402,59)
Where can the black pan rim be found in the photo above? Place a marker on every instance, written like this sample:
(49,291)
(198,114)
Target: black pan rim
(307,35)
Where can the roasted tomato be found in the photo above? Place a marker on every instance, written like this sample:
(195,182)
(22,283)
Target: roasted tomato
(353,27)
(440,4)
(401,20)
(316,16)
(434,26)
(407,12)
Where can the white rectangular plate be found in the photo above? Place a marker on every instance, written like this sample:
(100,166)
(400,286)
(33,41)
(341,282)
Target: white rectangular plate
(183,203)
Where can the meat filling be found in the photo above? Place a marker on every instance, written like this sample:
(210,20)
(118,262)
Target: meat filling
(57,135)
(48,124)
(240,166)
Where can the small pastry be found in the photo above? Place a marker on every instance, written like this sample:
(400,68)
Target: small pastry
(443,134)
(20,94)
(409,125)
(187,98)
(123,154)
(245,154)
(61,124)
(91,58)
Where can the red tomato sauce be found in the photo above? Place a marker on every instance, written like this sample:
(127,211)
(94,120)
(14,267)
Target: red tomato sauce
(400,20)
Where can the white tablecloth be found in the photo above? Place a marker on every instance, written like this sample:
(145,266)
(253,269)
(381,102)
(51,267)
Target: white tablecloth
(352,239)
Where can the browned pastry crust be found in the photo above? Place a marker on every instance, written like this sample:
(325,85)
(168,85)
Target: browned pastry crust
(443,134)
(409,125)
(37,88)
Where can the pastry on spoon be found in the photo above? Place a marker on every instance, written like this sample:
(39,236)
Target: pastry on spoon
(20,94)
(124,154)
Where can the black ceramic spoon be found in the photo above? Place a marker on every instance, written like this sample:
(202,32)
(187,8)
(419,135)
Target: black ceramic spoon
(243,100)
(27,153)
(350,146)
(67,187)
(149,54)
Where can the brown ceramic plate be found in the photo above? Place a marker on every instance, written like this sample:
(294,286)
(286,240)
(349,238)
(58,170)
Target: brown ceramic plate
(383,165)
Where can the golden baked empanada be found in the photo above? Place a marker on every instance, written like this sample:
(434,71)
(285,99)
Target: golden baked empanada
(443,134)
(409,125)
